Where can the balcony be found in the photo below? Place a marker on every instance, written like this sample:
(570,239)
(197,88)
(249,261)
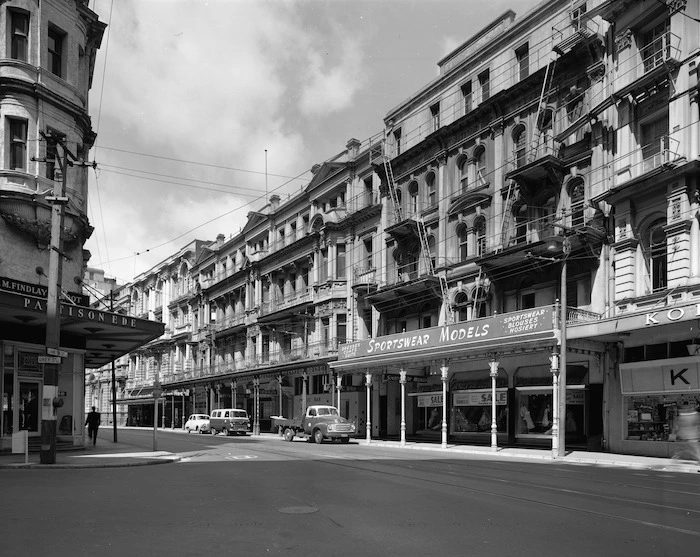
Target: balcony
(364,279)
(647,161)
(290,303)
(231,322)
(568,35)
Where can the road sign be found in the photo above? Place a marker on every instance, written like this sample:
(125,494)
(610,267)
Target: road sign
(56,352)
(49,359)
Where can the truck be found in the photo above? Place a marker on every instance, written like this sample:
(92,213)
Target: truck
(319,422)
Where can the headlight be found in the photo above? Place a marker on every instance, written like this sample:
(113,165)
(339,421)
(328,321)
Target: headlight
(331,427)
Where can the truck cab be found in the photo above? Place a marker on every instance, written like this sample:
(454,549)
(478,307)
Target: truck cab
(324,422)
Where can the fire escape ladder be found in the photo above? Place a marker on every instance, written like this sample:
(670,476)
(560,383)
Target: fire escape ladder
(539,127)
(507,214)
(476,307)
(392,188)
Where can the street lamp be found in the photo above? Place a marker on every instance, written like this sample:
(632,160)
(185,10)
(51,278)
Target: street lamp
(493,373)
(157,391)
(256,409)
(555,401)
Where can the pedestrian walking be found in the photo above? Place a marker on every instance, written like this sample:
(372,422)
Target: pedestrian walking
(93,423)
(689,431)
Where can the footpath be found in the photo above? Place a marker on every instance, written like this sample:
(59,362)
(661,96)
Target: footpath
(107,454)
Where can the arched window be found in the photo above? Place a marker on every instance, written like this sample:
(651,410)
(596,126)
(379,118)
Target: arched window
(432,252)
(461,304)
(520,146)
(546,212)
(480,237)
(413,198)
(431,189)
(463,173)
(577,199)
(656,256)
(481,171)
(463,239)
(520,214)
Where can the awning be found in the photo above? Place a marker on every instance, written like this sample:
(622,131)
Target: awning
(103,335)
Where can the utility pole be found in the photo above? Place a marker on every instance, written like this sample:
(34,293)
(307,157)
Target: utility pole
(114,377)
(58,201)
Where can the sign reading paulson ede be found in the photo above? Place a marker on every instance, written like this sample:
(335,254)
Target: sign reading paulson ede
(507,325)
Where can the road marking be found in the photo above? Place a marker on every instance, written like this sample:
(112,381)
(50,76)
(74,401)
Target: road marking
(241,457)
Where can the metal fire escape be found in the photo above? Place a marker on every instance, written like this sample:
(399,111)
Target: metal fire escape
(422,236)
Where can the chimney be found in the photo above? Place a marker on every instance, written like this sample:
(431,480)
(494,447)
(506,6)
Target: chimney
(353,147)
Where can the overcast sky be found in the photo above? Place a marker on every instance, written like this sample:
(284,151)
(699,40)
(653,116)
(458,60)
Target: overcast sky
(188,96)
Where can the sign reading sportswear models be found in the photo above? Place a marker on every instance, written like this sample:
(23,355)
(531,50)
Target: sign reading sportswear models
(516,324)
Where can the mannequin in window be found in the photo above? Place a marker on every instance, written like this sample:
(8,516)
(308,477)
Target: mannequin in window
(527,424)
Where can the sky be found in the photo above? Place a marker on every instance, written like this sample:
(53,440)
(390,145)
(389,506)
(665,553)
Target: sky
(203,109)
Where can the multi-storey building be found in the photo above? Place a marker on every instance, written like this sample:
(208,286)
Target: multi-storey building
(516,259)
(47,56)
(554,160)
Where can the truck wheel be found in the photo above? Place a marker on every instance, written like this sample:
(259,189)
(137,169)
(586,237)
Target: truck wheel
(318,436)
(288,434)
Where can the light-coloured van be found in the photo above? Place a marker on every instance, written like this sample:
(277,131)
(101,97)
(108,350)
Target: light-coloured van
(229,421)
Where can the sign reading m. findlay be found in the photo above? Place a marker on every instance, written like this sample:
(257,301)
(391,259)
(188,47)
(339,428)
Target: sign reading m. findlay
(536,320)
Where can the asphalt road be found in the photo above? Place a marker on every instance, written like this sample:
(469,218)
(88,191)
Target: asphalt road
(246,496)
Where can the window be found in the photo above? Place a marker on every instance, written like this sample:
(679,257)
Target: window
(432,190)
(654,138)
(467,97)
(20,35)
(397,141)
(522,55)
(577,196)
(463,166)
(341,328)
(368,253)
(520,146)
(480,233)
(413,201)
(576,15)
(521,224)
(18,144)
(655,46)
(435,116)
(52,153)
(547,211)
(481,167)
(340,261)
(656,255)
(323,267)
(463,237)
(484,84)
(432,253)
(56,51)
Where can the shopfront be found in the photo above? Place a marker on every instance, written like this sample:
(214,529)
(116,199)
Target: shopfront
(652,394)
(89,338)
(448,383)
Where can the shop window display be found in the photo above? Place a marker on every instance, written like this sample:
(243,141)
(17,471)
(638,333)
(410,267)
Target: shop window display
(471,411)
(655,418)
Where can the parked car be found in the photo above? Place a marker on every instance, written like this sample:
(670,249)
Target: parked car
(199,423)
(228,421)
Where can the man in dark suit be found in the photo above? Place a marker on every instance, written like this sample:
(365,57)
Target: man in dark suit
(93,423)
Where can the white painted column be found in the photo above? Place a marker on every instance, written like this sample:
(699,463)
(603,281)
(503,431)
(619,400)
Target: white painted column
(402,381)
(443,376)
(368,384)
(493,365)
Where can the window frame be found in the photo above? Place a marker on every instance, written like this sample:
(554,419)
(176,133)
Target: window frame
(485,85)
(19,37)
(435,117)
(522,57)
(55,55)
(17,143)
(467,97)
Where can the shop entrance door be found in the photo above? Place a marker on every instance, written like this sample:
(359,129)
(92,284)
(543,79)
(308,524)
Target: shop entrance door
(28,408)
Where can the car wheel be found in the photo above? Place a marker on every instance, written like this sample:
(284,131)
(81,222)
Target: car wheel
(345,439)
(318,436)
(213,431)
(187,429)
(288,434)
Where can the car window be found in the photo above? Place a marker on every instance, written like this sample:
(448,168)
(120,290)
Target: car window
(241,413)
